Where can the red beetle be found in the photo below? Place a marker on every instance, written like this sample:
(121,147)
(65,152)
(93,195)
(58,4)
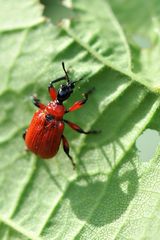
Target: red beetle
(45,132)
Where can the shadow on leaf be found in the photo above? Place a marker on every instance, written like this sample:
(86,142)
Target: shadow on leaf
(101,202)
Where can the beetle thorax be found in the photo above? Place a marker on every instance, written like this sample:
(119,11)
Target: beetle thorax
(55,109)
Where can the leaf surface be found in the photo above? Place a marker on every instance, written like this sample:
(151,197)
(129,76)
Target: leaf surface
(112,194)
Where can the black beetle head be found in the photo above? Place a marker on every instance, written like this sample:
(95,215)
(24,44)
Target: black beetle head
(65,91)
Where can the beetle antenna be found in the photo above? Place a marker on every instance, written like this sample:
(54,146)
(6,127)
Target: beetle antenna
(65,72)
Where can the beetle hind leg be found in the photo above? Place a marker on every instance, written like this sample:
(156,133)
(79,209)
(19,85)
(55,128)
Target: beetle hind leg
(66,150)
(79,129)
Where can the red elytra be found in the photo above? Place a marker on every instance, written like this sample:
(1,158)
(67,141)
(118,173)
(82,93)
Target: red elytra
(45,132)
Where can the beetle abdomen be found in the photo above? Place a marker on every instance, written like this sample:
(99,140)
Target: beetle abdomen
(43,137)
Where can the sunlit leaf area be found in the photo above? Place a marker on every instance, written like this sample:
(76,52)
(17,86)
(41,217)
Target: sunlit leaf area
(114,47)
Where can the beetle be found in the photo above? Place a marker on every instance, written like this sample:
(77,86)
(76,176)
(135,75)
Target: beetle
(45,132)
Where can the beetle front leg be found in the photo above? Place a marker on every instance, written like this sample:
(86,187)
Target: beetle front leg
(52,90)
(80,103)
(79,129)
(66,150)
(37,103)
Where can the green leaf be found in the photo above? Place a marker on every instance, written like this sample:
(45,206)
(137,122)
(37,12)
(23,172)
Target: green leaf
(143,36)
(20,15)
(112,194)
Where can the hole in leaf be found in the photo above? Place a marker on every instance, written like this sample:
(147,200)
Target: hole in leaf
(55,11)
(147,144)
(142,41)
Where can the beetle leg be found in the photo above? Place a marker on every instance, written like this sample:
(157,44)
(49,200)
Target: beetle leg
(37,103)
(81,102)
(66,149)
(79,129)
(52,90)
(24,134)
